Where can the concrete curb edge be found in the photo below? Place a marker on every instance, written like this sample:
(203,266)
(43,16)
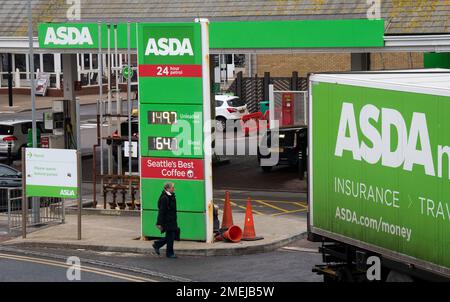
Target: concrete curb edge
(262,248)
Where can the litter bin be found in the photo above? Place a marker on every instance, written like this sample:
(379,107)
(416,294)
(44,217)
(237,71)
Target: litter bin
(264,106)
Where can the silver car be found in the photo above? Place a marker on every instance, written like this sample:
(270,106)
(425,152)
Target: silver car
(13,134)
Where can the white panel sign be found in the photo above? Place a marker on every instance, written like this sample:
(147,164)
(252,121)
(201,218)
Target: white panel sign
(134,149)
(51,172)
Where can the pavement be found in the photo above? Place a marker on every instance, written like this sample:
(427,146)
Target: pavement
(122,234)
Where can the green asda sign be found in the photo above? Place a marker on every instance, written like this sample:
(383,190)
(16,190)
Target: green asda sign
(83,35)
(173,103)
(380,169)
(224,35)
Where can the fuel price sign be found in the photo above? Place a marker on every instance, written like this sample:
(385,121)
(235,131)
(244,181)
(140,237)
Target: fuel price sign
(171,130)
(174,99)
(162,117)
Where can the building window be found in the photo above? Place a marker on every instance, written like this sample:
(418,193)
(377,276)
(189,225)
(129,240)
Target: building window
(49,63)
(37,62)
(86,61)
(239,61)
(94,61)
(21,62)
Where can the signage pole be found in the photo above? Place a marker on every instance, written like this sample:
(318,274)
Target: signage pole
(129,101)
(31,54)
(24,195)
(118,101)
(35,201)
(80,205)
(110,165)
(204,23)
(100,81)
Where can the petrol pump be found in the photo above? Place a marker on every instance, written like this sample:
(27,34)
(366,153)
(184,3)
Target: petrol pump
(287,109)
(59,122)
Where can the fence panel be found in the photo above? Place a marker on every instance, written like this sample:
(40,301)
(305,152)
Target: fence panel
(51,210)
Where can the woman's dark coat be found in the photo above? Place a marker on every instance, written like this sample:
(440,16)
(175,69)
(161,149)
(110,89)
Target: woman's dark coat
(167,214)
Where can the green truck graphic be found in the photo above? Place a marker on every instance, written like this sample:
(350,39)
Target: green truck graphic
(380,158)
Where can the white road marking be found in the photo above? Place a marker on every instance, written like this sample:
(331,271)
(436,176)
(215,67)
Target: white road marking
(300,249)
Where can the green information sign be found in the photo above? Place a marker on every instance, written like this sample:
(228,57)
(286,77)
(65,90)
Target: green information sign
(127,72)
(380,174)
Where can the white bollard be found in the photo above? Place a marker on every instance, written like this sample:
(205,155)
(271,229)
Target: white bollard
(17,78)
(58,80)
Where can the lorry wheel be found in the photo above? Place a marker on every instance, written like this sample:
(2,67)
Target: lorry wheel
(328,279)
(344,275)
(395,276)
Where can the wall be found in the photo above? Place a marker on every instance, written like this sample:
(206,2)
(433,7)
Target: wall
(283,65)
(400,60)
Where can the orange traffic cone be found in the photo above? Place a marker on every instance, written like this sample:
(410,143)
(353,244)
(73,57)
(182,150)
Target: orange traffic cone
(249,226)
(227,219)
(233,234)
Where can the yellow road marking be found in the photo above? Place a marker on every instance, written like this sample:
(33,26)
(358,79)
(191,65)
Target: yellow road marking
(302,205)
(289,212)
(82,268)
(254,211)
(272,206)
(269,201)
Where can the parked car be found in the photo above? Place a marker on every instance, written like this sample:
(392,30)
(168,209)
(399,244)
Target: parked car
(10,177)
(291,149)
(228,107)
(14,133)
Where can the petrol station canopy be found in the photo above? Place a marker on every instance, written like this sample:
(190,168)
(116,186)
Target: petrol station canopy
(407,25)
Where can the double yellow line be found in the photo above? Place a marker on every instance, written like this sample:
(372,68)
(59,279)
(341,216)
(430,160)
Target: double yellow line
(270,204)
(83,268)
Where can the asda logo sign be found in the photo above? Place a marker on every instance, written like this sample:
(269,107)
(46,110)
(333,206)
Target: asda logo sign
(67,193)
(412,149)
(169,44)
(67,35)
(169,47)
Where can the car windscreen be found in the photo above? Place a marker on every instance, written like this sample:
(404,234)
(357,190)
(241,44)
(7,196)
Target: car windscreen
(6,130)
(236,102)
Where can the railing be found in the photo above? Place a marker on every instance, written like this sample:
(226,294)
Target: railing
(88,77)
(51,210)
